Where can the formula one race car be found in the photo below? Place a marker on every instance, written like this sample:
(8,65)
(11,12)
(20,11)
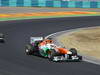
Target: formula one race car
(46,48)
(1,38)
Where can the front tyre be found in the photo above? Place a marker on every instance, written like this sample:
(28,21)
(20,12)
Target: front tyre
(80,58)
(29,49)
(74,51)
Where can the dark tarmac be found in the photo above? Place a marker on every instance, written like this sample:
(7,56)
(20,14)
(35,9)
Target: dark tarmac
(13,60)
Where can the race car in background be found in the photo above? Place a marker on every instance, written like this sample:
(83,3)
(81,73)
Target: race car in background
(1,38)
(46,48)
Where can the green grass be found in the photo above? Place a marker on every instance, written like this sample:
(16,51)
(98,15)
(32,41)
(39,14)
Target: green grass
(39,17)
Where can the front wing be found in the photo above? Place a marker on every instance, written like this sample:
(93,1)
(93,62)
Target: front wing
(62,58)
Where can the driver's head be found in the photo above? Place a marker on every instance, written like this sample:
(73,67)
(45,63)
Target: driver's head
(48,41)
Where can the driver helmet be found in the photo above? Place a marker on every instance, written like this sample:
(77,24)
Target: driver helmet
(48,41)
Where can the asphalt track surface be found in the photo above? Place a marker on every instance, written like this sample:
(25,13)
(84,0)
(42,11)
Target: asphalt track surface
(13,60)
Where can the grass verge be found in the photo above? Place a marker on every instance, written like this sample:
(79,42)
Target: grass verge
(39,17)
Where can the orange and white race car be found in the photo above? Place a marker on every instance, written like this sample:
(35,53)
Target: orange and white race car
(46,48)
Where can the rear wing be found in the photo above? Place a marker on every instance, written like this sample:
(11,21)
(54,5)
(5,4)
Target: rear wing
(33,39)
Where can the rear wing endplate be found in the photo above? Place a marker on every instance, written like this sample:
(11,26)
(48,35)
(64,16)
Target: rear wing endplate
(33,39)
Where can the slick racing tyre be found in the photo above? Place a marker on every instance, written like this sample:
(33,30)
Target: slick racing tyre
(29,49)
(80,58)
(74,51)
(2,38)
(2,41)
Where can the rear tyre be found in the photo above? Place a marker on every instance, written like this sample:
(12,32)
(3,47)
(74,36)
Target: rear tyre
(29,49)
(2,41)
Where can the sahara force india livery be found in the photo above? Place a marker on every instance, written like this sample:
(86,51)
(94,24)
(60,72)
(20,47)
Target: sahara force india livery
(46,48)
